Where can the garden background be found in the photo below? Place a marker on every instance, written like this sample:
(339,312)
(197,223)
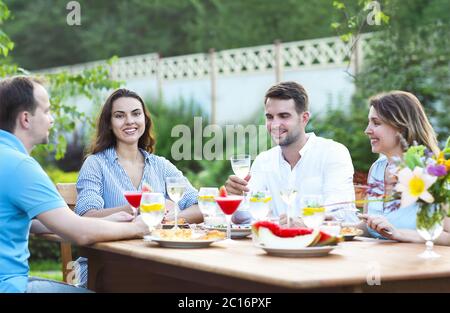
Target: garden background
(409,50)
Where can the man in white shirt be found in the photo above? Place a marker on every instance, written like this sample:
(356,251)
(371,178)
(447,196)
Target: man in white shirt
(302,161)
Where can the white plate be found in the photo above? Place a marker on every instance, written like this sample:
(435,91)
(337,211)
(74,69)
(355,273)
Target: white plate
(183,244)
(298,253)
(235,232)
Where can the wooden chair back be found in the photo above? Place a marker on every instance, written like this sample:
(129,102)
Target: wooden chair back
(68,192)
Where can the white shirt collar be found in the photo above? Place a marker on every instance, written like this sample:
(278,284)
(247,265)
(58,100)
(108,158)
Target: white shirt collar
(309,143)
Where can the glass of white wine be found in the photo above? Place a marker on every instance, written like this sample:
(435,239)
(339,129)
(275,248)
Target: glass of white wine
(206,202)
(288,196)
(152,208)
(176,187)
(241,165)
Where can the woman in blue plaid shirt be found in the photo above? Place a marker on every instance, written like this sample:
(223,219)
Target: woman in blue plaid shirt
(122,160)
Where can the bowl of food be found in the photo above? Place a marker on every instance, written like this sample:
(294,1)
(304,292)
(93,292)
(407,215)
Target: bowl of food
(350,232)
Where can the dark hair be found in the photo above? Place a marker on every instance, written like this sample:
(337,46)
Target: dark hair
(16,95)
(289,90)
(403,111)
(105,137)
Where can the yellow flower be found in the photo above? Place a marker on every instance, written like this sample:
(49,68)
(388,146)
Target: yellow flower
(414,185)
(441,158)
(447,165)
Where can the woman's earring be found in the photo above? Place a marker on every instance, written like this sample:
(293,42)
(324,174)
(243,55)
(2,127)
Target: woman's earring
(403,143)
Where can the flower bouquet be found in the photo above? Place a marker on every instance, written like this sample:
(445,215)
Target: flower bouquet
(424,178)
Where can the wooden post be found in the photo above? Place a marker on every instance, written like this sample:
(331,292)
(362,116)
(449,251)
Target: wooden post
(278,61)
(66,257)
(212,71)
(159,77)
(357,56)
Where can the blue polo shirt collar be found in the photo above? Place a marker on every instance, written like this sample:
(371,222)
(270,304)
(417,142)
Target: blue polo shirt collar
(12,141)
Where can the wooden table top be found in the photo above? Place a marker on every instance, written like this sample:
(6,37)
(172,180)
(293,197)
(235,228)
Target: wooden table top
(349,264)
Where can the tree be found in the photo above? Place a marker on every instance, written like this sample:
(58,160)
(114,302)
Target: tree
(64,88)
(171,27)
(411,53)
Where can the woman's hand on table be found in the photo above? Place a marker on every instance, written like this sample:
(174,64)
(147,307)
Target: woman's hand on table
(381,225)
(120,217)
(142,227)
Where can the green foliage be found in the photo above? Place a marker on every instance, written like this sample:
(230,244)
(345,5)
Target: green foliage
(413,156)
(202,172)
(411,53)
(352,17)
(46,265)
(171,27)
(6,45)
(65,89)
(430,215)
(165,117)
(43,249)
(58,176)
(347,127)
(47,275)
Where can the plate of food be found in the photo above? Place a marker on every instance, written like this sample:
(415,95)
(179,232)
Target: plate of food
(349,232)
(293,242)
(184,238)
(237,231)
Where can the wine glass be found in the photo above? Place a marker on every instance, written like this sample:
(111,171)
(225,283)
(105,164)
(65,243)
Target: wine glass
(206,202)
(176,187)
(229,205)
(241,165)
(288,196)
(259,203)
(134,199)
(152,208)
(312,210)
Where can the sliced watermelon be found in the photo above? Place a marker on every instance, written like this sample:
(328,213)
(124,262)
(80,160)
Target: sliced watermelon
(269,239)
(293,232)
(327,239)
(284,232)
(223,192)
(272,226)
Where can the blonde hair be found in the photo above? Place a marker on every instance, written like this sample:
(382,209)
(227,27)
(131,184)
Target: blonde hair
(403,111)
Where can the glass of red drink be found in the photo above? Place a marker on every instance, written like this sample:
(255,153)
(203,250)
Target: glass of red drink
(229,205)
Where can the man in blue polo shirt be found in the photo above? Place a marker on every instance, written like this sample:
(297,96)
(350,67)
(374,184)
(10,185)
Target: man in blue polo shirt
(26,192)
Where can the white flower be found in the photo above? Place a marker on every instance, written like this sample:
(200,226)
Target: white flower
(414,185)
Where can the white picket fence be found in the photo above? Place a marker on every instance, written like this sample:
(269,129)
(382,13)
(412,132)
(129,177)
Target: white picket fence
(305,54)
(278,58)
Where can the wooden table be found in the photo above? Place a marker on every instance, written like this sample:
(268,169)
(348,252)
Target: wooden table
(138,266)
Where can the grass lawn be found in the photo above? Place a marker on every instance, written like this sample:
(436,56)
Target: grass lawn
(46,269)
